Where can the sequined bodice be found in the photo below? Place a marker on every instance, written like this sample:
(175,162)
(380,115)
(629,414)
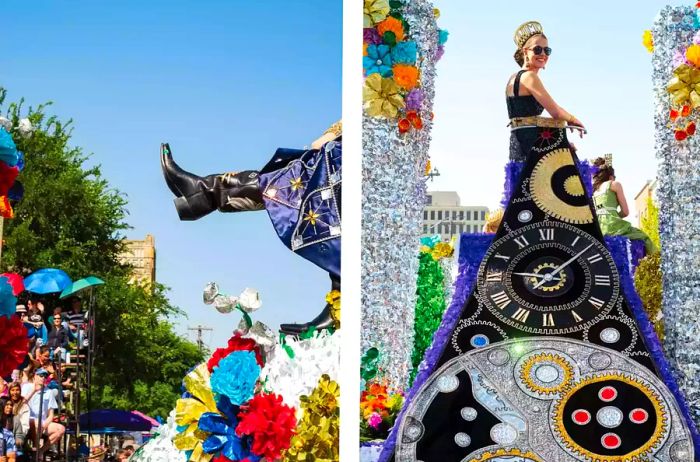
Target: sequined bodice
(522,106)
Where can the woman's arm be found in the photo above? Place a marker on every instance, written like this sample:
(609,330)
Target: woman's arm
(617,189)
(534,85)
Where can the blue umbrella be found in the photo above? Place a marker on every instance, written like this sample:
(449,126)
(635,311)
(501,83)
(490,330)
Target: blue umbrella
(46,281)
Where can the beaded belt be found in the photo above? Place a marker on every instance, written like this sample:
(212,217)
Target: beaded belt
(536,121)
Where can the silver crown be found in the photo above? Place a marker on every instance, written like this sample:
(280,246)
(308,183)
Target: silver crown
(525,31)
(608,159)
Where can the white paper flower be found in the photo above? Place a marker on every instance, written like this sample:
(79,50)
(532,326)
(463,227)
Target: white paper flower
(25,128)
(211,290)
(250,300)
(225,303)
(5,123)
(293,377)
(160,448)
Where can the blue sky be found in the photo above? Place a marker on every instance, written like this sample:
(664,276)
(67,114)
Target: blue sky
(226,83)
(598,71)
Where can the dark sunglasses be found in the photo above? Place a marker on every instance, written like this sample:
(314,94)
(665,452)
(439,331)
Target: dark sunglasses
(538,50)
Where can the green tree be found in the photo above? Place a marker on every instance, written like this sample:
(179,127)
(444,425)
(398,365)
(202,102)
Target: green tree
(70,218)
(650,222)
(648,277)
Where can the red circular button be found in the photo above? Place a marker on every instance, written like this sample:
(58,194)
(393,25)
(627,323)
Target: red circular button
(639,416)
(581,416)
(607,394)
(611,441)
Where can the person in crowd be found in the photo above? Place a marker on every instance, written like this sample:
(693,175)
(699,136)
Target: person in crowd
(611,206)
(4,388)
(58,337)
(20,410)
(36,330)
(42,419)
(7,426)
(11,422)
(76,316)
(122,455)
(58,311)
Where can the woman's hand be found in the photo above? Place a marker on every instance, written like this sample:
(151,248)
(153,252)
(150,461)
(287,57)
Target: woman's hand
(574,122)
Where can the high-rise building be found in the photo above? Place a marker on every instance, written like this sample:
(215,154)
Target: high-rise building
(141,255)
(641,200)
(444,215)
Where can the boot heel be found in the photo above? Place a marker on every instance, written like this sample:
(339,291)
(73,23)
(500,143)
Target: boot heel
(193,207)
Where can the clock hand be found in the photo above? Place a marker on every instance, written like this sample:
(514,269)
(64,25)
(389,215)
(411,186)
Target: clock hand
(535,275)
(562,266)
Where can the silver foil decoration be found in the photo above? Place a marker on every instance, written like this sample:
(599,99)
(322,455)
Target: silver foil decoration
(393,196)
(679,210)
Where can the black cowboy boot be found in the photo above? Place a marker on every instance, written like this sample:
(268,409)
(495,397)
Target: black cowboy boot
(197,196)
(322,321)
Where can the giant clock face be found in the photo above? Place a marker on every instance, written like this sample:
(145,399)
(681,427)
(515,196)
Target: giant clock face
(548,278)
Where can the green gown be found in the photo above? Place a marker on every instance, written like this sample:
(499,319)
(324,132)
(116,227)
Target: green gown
(611,224)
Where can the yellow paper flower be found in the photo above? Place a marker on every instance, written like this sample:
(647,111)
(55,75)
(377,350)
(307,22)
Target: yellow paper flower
(648,40)
(684,87)
(427,168)
(317,437)
(381,97)
(375,12)
(692,54)
(442,250)
(189,410)
(333,299)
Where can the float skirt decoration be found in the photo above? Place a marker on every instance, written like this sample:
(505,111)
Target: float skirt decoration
(545,332)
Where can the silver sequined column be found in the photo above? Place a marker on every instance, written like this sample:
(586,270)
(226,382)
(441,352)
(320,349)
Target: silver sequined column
(393,196)
(679,209)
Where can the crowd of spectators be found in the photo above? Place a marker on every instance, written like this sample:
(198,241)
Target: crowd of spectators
(36,398)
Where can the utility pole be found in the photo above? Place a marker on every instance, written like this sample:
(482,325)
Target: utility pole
(433,173)
(200,328)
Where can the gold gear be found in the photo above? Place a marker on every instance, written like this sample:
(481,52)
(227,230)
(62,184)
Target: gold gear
(526,370)
(491,455)
(553,288)
(640,453)
(573,186)
(544,196)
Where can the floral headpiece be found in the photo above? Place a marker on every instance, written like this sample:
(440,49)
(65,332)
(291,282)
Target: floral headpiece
(525,31)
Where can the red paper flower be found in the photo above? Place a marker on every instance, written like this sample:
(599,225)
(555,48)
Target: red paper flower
(673,115)
(681,135)
(690,129)
(15,281)
(685,112)
(270,422)
(415,119)
(13,344)
(404,125)
(235,343)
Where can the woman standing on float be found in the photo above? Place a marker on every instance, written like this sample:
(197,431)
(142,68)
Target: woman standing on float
(526,96)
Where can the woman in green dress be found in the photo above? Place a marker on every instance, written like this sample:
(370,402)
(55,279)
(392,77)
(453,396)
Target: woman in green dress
(611,206)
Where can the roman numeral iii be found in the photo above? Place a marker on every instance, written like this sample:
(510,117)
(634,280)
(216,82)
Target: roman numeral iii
(602,280)
(596,302)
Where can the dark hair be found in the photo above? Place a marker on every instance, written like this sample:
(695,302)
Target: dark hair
(603,173)
(6,421)
(519,56)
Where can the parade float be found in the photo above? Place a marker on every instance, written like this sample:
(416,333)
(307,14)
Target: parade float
(545,351)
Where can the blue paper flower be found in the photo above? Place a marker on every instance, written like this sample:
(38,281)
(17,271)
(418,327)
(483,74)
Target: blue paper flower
(8,302)
(235,376)
(404,53)
(8,150)
(442,37)
(222,429)
(378,60)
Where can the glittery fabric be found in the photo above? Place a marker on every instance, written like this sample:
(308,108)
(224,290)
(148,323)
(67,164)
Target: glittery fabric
(679,210)
(393,196)
(472,249)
